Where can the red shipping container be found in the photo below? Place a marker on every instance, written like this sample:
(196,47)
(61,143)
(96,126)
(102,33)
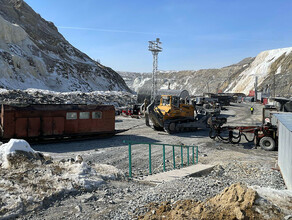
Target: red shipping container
(39,121)
(251,93)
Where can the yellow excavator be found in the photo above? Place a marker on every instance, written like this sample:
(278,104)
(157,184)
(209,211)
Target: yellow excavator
(172,112)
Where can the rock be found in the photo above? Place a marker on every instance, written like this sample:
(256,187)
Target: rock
(78,208)
(78,159)
(288,217)
(34,51)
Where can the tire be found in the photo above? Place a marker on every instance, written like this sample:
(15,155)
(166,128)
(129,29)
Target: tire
(212,134)
(267,143)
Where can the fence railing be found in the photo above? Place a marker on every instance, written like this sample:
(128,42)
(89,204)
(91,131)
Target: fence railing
(194,156)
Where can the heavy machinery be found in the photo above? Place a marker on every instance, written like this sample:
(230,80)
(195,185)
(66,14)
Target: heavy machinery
(264,135)
(172,112)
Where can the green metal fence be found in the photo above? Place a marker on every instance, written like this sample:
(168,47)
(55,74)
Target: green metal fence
(194,156)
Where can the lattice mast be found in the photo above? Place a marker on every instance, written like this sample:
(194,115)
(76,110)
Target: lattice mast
(155,48)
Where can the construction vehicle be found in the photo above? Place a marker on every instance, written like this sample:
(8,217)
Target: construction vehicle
(172,112)
(264,135)
(132,111)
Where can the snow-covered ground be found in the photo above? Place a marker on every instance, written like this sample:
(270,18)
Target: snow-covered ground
(28,178)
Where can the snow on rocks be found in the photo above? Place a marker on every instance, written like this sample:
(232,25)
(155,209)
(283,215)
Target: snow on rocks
(36,96)
(27,57)
(83,175)
(10,149)
(108,171)
(33,178)
(280,198)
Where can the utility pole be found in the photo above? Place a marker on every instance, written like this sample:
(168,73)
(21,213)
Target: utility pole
(274,85)
(155,48)
(256,89)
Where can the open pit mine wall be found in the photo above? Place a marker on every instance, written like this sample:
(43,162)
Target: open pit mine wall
(267,65)
(238,77)
(33,54)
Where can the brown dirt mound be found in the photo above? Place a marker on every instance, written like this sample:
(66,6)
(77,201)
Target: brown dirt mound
(235,202)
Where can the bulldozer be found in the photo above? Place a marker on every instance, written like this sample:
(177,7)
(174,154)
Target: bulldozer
(172,112)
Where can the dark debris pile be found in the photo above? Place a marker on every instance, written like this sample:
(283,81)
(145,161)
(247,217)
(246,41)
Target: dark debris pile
(16,97)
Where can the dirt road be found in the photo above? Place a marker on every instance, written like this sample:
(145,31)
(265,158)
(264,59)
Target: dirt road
(113,151)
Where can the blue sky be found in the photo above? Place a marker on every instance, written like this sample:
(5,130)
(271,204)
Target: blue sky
(195,34)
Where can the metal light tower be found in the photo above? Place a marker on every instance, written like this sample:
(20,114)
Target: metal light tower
(155,48)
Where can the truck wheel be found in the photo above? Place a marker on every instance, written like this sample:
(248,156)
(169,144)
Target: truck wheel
(267,143)
(212,133)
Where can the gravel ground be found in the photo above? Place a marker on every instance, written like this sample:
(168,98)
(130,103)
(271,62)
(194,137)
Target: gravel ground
(126,199)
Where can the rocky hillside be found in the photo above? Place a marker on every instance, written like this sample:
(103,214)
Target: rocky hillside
(33,54)
(136,80)
(196,82)
(238,77)
(268,66)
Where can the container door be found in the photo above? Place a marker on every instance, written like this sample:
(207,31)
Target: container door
(47,126)
(21,127)
(34,125)
(58,125)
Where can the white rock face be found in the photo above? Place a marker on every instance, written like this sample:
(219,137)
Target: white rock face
(260,67)
(237,78)
(11,33)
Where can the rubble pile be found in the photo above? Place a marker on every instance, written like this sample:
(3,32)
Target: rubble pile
(253,173)
(235,202)
(34,96)
(30,180)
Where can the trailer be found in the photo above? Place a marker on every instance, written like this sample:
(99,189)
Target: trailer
(264,136)
(56,121)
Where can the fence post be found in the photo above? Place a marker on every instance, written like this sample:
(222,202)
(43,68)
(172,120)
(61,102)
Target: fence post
(188,151)
(130,161)
(197,154)
(164,157)
(181,156)
(150,170)
(173,155)
(193,148)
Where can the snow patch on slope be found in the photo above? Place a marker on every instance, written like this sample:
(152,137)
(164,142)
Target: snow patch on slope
(24,65)
(260,67)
